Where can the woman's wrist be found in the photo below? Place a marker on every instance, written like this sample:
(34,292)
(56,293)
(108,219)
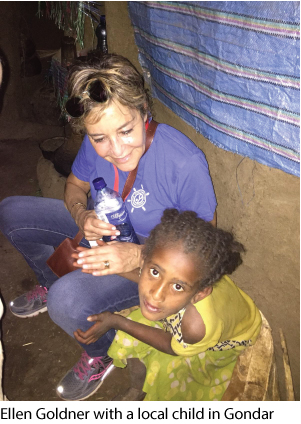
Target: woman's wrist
(77,210)
(135,261)
(78,204)
(140,256)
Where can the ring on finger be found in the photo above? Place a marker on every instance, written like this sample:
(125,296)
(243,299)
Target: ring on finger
(107,264)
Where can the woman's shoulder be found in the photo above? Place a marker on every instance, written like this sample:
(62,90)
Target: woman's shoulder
(168,139)
(167,135)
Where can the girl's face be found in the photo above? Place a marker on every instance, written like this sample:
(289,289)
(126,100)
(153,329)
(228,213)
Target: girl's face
(169,281)
(119,136)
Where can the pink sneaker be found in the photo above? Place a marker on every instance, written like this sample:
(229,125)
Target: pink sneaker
(85,377)
(30,304)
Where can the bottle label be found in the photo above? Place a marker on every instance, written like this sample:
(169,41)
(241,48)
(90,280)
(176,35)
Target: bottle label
(118,216)
(123,224)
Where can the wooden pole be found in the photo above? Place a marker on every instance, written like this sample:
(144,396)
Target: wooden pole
(287,369)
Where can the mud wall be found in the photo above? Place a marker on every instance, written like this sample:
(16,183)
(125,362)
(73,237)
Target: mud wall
(259,204)
(19,22)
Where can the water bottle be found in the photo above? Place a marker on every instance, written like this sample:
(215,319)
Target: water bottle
(109,207)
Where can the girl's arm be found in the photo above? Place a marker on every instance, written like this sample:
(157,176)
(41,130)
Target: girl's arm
(154,337)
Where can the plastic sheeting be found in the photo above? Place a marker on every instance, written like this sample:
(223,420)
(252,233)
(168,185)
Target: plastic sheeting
(229,69)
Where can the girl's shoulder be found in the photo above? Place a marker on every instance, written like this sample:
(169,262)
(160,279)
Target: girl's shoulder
(192,326)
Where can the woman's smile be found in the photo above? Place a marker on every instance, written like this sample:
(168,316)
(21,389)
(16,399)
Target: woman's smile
(123,159)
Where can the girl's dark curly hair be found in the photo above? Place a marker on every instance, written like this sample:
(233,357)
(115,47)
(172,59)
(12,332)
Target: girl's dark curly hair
(216,251)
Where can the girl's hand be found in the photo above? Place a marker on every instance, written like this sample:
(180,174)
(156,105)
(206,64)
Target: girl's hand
(103,323)
(93,227)
(122,258)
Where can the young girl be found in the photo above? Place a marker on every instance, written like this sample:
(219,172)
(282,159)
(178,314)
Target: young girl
(193,321)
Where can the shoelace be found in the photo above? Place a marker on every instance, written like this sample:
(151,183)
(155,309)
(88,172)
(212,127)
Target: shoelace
(38,291)
(85,364)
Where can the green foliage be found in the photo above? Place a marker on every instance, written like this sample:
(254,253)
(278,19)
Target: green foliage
(68,16)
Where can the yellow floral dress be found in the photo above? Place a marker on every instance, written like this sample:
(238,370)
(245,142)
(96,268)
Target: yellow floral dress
(201,371)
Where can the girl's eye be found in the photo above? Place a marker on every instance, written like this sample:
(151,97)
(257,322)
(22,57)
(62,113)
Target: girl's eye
(154,272)
(178,287)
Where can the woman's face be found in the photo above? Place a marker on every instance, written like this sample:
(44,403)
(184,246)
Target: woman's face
(169,281)
(119,136)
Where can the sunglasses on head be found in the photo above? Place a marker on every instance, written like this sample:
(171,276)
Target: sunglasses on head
(96,91)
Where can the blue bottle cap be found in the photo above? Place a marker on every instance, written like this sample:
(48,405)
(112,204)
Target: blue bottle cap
(99,183)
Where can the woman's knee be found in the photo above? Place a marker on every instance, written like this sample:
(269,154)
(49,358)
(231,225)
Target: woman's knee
(77,295)
(59,299)
(8,206)
(17,212)
(67,298)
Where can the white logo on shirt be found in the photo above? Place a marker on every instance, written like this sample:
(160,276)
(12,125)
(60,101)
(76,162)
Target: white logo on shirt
(138,199)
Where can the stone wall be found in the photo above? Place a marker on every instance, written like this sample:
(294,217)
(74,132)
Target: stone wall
(259,204)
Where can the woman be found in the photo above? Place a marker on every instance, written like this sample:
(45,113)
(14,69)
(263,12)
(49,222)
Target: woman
(109,102)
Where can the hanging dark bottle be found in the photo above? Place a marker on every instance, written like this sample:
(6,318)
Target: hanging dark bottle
(101,34)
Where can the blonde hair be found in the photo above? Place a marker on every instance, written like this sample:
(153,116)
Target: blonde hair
(122,83)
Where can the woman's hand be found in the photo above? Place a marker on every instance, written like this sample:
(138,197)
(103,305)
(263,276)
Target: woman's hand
(75,199)
(103,323)
(93,227)
(122,258)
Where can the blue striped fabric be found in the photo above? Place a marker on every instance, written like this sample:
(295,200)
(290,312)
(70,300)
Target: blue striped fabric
(229,69)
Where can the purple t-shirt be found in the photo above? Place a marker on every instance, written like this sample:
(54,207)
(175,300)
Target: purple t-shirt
(172,174)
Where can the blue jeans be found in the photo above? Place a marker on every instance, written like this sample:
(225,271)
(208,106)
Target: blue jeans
(34,225)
